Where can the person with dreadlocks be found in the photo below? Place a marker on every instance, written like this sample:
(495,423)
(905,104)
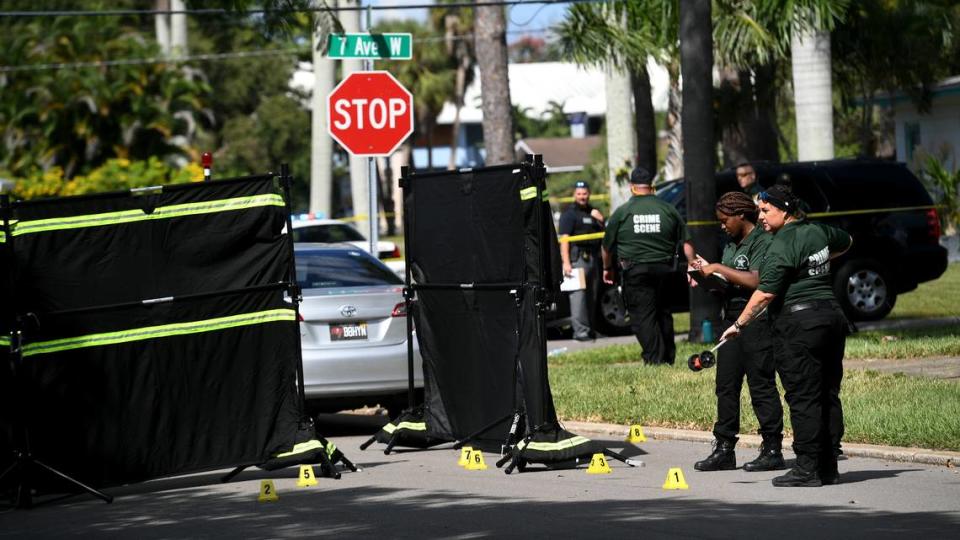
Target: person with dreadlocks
(809,330)
(751,357)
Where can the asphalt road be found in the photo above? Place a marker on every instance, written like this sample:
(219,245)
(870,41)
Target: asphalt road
(423,494)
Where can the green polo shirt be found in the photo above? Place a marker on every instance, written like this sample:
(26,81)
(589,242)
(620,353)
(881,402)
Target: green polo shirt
(797,265)
(746,256)
(645,229)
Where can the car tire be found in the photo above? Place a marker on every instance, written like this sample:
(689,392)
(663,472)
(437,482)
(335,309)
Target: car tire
(611,318)
(863,290)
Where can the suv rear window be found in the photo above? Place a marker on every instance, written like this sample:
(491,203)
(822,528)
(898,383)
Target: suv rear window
(876,185)
(327,233)
(346,268)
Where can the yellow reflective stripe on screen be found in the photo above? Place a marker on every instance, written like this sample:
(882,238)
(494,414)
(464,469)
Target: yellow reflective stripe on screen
(3,237)
(412,426)
(528,193)
(553,447)
(301,448)
(131,216)
(165,330)
(4,342)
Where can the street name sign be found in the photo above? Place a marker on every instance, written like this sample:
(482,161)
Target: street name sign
(370,113)
(373,46)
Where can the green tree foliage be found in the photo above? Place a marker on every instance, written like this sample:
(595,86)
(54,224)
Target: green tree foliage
(114,174)
(78,117)
(552,123)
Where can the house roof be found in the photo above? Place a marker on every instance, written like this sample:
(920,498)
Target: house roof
(561,154)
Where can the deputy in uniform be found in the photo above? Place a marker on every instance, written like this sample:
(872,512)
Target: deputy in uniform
(751,357)
(582,218)
(747,179)
(809,330)
(646,235)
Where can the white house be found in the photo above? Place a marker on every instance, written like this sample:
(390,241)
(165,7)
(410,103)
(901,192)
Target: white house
(935,132)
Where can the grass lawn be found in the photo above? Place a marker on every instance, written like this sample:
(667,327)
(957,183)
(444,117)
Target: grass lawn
(607,384)
(939,298)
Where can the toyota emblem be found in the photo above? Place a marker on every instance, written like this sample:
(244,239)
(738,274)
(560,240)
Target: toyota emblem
(348,311)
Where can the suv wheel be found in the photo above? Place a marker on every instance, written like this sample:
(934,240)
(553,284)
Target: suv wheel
(612,318)
(864,291)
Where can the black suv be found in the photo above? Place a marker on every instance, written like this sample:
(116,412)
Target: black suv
(896,231)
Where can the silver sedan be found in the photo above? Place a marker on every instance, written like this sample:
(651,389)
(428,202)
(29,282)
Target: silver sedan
(353,330)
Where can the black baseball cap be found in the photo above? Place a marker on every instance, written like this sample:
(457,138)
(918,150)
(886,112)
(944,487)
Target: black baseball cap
(641,176)
(581,184)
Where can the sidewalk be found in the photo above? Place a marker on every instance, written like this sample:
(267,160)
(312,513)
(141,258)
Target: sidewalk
(888,453)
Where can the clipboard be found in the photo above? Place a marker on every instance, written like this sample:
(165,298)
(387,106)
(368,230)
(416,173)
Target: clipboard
(576,281)
(713,283)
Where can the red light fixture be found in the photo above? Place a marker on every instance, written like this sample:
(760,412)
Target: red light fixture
(933,225)
(399,310)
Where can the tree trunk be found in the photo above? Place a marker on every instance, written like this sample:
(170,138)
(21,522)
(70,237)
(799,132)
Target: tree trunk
(460,90)
(491,47)
(385,177)
(621,135)
(673,163)
(699,149)
(178,30)
(813,94)
(747,115)
(321,145)
(645,122)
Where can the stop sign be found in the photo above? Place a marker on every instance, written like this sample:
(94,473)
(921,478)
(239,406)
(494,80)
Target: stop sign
(370,113)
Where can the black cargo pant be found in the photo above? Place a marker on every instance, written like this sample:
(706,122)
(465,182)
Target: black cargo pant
(751,355)
(645,299)
(809,352)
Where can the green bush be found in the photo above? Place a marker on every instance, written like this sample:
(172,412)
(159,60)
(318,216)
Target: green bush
(114,174)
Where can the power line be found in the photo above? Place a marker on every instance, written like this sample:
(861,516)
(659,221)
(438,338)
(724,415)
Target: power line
(221,11)
(216,56)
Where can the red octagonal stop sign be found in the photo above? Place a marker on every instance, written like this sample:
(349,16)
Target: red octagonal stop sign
(370,113)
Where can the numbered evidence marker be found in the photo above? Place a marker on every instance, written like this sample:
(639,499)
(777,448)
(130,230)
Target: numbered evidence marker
(306,477)
(464,456)
(675,480)
(268,493)
(599,465)
(636,434)
(476,461)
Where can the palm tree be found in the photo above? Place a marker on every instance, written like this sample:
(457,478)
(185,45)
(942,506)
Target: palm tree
(626,34)
(456,25)
(490,44)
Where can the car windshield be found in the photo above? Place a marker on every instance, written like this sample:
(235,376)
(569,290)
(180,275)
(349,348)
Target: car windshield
(341,268)
(672,192)
(327,233)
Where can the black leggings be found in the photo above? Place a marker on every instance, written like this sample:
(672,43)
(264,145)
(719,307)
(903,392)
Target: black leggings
(750,355)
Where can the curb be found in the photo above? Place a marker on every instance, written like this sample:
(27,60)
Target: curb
(942,458)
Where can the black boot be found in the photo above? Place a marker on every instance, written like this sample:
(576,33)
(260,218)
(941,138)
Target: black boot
(723,457)
(803,474)
(829,474)
(770,458)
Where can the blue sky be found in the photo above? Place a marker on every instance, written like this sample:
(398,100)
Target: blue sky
(520,19)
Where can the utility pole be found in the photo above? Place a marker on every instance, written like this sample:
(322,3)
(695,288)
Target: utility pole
(699,150)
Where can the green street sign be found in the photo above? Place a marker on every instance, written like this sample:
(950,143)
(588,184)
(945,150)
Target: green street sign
(376,46)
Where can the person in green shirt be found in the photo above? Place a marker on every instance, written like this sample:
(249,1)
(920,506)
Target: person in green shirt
(646,234)
(751,357)
(747,179)
(809,330)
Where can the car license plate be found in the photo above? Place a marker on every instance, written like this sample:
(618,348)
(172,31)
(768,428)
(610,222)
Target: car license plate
(347,332)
